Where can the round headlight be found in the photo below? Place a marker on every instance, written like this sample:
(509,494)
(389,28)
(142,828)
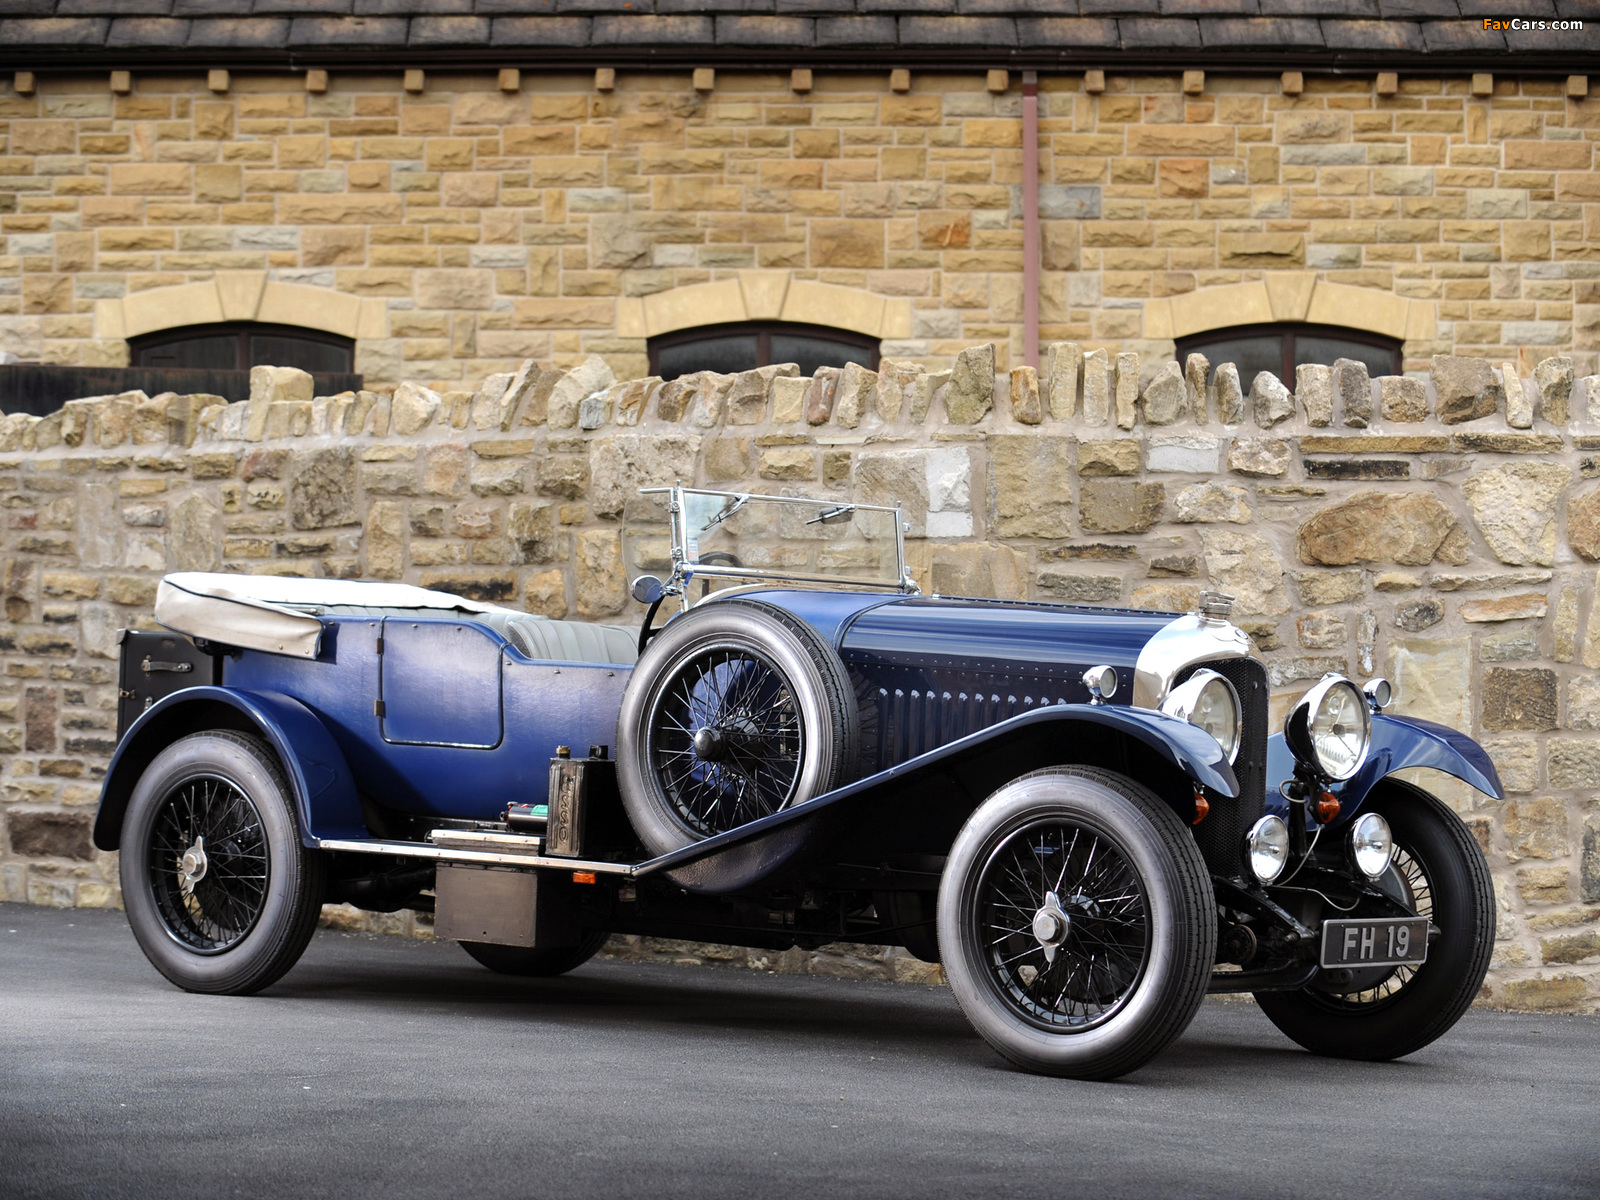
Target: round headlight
(1267,845)
(1208,701)
(1329,728)
(1371,844)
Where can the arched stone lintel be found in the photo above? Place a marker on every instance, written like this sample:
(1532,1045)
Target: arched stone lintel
(764,296)
(1290,296)
(241,296)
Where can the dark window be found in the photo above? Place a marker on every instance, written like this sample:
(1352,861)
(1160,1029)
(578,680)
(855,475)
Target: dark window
(240,345)
(1282,348)
(751,344)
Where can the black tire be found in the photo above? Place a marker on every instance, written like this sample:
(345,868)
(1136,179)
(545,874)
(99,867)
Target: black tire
(533,961)
(254,892)
(1439,866)
(1143,902)
(736,710)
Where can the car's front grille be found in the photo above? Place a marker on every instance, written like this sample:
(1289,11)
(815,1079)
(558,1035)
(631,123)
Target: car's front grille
(1221,835)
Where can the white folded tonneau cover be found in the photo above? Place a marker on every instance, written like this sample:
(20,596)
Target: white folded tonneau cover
(276,613)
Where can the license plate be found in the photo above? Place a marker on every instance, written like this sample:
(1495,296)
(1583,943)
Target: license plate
(1386,943)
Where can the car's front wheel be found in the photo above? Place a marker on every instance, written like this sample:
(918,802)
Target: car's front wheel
(1438,872)
(221,895)
(1077,923)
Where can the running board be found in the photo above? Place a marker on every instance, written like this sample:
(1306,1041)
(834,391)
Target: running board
(504,857)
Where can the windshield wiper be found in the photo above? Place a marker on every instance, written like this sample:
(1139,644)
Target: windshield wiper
(728,509)
(833,515)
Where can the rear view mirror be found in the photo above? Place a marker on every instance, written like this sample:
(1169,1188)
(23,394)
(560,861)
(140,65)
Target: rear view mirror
(647,589)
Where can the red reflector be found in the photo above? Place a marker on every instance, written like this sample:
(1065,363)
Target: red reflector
(1202,806)
(1326,808)
(583,877)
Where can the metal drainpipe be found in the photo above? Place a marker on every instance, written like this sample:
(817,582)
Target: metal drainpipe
(1030,218)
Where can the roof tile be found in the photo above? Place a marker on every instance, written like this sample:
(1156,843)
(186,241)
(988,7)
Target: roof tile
(54,31)
(1530,9)
(974,33)
(1342,10)
(109,8)
(210,8)
(406,8)
(1067,31)
(714,6)
(651,31)
(148,31)
(448,31)
(855,31)
(347,31)
(1118,8)
(1372,35)
(1413,9)
(1468,36)
(1211,8)
(540,31)
(1261,31)
(27,8)
(766,31)
(299,8)
(1159,33)
(240,33)
(812,7)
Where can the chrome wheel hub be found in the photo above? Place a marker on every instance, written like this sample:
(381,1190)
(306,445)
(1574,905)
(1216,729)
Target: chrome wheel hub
(1051,925)
(192,866)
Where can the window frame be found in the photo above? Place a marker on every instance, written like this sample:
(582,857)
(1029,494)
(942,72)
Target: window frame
(764,331)
(242,331)
(1288,332)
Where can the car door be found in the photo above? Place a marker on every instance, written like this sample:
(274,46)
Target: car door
(439,684)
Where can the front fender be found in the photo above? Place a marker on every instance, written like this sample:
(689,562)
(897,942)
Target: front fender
(324,790)
(1397,743)
(980,761)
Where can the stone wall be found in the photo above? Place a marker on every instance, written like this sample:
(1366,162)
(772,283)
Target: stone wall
(1441,530)
(456,229)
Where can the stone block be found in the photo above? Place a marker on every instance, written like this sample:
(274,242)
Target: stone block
(1026,405)
(1264,457)
(970,393)
(852,394)
(1196,369)
(1466,388)
(50,835)
(1322,631)
(1432,679)
(1245,566)
(1062,361)
(788,399)
(1402,399)
(978,569)
(1127,390)
(820,394)
(1352,389)
(1510,646)
(1272,402)
(1573,763)
(1519,698)
(1514,507)
(1529,606)
(1555,377)
(1418,615)
(1230,399)
(622,463)
(1193,454)
(1080,589)
(1118,456)
(1120,506)
(1313,389)
(1516,760)
(1407,528)
(413,408)
(1212,502)
(1536,829)
(1032,485)
(1165,397)
(1096,388)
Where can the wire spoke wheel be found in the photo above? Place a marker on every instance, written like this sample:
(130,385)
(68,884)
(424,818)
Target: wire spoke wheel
(1418,893)
(1065,922)
(726,739)
(208,863)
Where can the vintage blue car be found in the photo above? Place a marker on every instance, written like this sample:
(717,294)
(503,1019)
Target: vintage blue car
(1078,811)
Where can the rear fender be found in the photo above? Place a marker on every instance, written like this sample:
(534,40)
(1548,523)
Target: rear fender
(1397,743)
(934,792)
(324,790)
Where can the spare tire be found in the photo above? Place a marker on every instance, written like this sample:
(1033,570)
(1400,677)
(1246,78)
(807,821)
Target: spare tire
(736,711)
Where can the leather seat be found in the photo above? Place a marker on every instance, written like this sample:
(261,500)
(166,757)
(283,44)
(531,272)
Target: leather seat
(534,636)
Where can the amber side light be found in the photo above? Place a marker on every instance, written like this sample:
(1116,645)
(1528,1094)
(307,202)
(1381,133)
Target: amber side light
(583,877)
(1202,807)
(1326,808)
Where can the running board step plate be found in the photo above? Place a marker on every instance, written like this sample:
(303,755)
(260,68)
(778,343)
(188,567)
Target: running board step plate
(485,857)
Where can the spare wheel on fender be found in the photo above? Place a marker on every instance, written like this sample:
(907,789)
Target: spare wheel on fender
(737,710)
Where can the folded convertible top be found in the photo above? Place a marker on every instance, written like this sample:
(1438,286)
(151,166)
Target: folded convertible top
(278,613)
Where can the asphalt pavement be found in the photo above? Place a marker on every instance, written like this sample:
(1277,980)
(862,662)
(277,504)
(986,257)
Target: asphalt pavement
(390,1068)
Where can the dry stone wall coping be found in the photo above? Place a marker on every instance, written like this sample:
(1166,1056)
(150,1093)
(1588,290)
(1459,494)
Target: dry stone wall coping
(1449,542)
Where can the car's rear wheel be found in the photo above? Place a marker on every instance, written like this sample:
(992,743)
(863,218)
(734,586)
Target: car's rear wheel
(221,895)
(1077,923)
(1439,873)
(736,711)
(534,961)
